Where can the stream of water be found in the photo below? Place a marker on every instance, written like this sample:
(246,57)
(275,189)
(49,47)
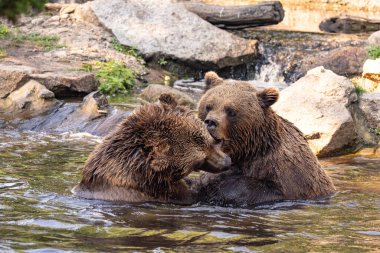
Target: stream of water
(39,214)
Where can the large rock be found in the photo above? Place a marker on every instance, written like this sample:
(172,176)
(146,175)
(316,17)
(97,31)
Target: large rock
(168,29)
(30,100)
(153,92)
(321,106)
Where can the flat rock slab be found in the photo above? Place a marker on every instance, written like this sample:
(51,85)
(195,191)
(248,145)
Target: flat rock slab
(321,106)
(168,29)
(62,82)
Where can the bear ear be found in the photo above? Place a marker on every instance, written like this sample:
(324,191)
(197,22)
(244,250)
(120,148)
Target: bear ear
(168,99)
(268,96)
(212,79)
(160,161)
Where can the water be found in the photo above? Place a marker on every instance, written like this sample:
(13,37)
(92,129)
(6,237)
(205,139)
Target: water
(285,56)
(39,214)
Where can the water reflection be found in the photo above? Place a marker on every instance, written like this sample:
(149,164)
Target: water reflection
(39,214)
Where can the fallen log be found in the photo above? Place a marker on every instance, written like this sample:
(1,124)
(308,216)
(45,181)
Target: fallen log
(236,17)
(349,24)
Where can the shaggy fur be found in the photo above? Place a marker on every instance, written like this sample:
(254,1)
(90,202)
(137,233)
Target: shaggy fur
(270,156)
(149,154)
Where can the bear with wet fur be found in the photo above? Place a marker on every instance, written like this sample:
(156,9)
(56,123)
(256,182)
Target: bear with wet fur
(148,155)
(271,159)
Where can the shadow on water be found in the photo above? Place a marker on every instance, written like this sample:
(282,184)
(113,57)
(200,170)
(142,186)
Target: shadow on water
(39,214)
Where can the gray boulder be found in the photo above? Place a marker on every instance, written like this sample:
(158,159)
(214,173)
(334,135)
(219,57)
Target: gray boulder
(321,105)
(168,29)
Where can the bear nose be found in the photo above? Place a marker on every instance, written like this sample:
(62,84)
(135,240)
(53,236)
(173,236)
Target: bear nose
(211,123)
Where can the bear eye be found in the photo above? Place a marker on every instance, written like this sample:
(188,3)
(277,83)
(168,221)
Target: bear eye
(230,112)
(208,108)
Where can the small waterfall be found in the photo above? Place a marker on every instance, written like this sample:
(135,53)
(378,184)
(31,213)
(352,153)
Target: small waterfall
(268,69)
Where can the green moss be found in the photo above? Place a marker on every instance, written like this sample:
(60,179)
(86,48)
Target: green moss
(374,52)
(4,31)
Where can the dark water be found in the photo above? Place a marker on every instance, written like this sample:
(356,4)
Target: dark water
(39,214)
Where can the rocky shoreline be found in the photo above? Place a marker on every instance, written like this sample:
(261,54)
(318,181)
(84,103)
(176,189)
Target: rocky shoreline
(312,71)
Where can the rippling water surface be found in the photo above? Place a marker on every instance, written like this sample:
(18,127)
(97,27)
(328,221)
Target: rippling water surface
(39,214)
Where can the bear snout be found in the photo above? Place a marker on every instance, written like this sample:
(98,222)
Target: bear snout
(211,123)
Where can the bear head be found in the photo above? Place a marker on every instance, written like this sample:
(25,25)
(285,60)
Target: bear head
(238,115)
(179,142)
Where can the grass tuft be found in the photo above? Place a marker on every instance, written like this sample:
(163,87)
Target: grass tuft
(132,51)
(359,90)
(4,31)
(374,52)
(48,42)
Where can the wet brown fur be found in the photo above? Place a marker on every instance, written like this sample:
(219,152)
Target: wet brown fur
(149,154)
(271,158)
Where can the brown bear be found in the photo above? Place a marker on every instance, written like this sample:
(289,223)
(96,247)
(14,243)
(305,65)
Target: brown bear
(149,154)
(271,159)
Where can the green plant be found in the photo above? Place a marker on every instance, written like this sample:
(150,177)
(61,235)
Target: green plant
(162,61)
(114,77)
(132,51)
(46,41)
(11,8)
(359,90)
(374,52)
(4,31)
